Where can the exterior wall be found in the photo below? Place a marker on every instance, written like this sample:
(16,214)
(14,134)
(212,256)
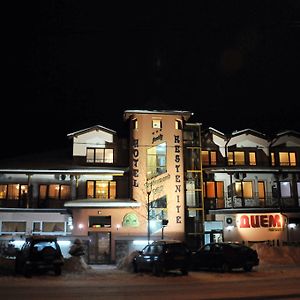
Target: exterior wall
(119,230)
(252,228)
(90,139)
(169,184)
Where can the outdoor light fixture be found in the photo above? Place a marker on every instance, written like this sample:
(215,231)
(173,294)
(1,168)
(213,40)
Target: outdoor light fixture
(80,226)
(292,226)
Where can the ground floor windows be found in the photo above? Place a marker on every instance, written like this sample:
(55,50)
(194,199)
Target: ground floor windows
(99,221)
(8,227)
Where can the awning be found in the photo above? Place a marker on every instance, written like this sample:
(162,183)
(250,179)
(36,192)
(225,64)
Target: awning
(99,203)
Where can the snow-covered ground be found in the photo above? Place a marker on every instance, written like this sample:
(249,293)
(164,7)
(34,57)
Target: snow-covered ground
(269,257)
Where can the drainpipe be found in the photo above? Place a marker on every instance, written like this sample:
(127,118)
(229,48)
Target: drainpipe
(230,173)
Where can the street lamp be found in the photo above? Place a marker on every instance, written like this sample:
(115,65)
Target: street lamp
(149,190)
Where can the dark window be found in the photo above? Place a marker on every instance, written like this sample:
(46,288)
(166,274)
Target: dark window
(100,221)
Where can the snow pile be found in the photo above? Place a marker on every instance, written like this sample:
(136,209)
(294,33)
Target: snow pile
(126,262)
(277,255)
(75,264)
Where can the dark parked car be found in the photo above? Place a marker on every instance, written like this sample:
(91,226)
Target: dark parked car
(224,257)
(162,256)
(39,253)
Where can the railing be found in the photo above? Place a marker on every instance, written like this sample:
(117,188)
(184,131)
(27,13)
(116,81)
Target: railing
(237,202)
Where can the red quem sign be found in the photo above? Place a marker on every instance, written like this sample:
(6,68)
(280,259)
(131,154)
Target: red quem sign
(261,221)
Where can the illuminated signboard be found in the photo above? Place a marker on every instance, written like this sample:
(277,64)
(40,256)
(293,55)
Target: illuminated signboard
(270,221)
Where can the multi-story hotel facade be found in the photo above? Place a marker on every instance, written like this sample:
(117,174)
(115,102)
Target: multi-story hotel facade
(170,178)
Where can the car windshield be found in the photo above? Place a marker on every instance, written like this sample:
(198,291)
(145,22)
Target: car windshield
(39,246)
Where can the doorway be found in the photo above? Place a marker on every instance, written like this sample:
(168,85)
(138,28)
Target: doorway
(99,248)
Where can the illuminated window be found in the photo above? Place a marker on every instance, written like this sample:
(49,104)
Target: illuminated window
(178,124)
(46,227)
(252,158)
(11,227)
(214,190)
(193,189)
(156,123)
(100,221)
(287,159)
(243,189)
(285,189)
(236,158)
(261,193)
(53,226)
(3,191)
(55,191)
(273,159)
(157,160)
(135,124)
(101,189)
(209,158)
(99,155)
(13,191)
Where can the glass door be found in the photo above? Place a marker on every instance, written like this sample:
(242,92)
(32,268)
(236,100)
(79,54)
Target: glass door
(99,248)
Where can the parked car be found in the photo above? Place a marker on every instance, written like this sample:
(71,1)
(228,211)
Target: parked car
(225,257)
(162,256)
(39,253)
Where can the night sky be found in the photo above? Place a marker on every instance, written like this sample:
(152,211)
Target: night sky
(70,64)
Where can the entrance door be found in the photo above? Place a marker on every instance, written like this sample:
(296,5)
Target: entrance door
(99,248)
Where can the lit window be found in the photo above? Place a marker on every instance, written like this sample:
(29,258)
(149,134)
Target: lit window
(261,193)
(10,227)
(244,189)
(157,160)
(53,226)
(99,155)
(156,123)
(287,159)
(178,124)
(101,189)
(55,191)
(236,158)
(273,159)
(99,221)
(252,158)
(135,124)
(285,189)
(209,158)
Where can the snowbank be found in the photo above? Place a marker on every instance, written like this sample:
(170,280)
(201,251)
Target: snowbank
(268,255)
(277,255)
(75,264)
(126,263)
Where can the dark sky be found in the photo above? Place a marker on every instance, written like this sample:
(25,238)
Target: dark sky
(73,64)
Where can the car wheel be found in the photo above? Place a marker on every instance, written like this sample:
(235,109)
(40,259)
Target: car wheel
(57,270)
(225,268)
(27,271)
(247,268)
(135,267)
(184,271)
(156,270)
